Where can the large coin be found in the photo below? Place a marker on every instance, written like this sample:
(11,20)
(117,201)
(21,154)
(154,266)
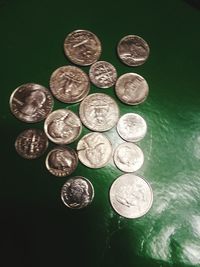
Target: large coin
(82,47)
(94,150)
(99,112)
(133,50)
(131,196)
(131,88)
(62,126)
(69,84)
(31,102)
(77,192)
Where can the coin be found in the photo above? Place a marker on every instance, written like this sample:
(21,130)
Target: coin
(62,126)
(94,150)
(31,143)
(131,88)
(131,196)
(69,84)
(77,192)
(99,112)
(133,50)
(82,47)
(103,74)
(61,161)
(132,127)
(128,157)
(31,102)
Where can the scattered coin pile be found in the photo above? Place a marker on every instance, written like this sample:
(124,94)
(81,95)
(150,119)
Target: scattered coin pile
(131,195)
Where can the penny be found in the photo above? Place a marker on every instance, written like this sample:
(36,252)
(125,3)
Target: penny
(99,112)
(31,102)
(131,196)
(77,192)
(133,50)
(131,88)
(69,84)
(62,126)
(82,47)
(103,74)
(31,143)
(94,150)
(61,161)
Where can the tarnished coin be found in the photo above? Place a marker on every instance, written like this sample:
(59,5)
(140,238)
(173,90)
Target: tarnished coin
(69,84)
(128,157)
(131,88)
(103,74)
(94,150)
(133,50)
(132,127)
(99,112)
(31,143)
(62,126)
(61,161)
(82,47)
(77,192)
(131,196)
(31,102)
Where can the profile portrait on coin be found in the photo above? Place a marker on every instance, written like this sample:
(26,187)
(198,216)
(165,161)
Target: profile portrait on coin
(61,160)
(126,155)
(33,102)
(135,50)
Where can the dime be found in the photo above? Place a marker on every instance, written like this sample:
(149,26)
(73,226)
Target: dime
(132,127)
(131,88)
(31,102)
(94,150)
(99,112)
(103,74)
(128,157)
(82,47)
(133,50)
(61,161)
(62,126)
(31,143)
(69,84)
(77,192)
(131,196)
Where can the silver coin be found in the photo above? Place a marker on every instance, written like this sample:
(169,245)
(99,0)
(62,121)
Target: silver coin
(132,127)
(61,161)
(82,47)
(69,84)
(62,126)
(131,88)
(131,196)
(103,74)
(133,50)
(99,112)
(128,157)
(77,192)
(31,143)
(94,150)
(31,102)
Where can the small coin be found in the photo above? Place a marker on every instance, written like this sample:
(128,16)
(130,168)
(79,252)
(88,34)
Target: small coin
(94,150)
(77,192)
(82,47)
(31,102)
(61,161)
(131,88)
(62,126)
(133,50)
(31,143)
(132,127)
(99,112)
(128,157)
(103,74)
(131,196)
(69,84)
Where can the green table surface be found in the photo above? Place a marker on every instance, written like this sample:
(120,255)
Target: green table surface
(36,229)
